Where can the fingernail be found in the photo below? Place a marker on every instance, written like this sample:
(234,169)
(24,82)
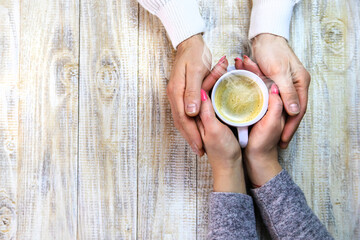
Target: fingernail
(283,145)
(222,59)
(195,149)
(191,108)
(203,95)
(237,59)
(274,89)
(294,108)
(246,57)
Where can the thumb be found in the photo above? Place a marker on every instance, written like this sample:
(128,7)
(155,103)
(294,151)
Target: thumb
(275,107)
(288,94)
(207,114)
(194,79)
(219,70)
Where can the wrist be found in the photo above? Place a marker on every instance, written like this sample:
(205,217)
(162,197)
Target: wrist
(197,38)
(262,167)
(268,37)
(229,179)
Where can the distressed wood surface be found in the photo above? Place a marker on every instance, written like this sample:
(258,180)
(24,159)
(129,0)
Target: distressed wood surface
(166,164)
(9,92)
(324,158)
(93,153)
(48,120)
(108,120)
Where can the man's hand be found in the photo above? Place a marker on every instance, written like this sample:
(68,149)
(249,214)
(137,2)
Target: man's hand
(279,63)
(192,65)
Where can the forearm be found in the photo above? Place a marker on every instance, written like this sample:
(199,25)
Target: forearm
(285,211)
(181,18)
(261,167)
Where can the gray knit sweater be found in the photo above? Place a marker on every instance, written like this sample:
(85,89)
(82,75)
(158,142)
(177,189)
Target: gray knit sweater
(282,206)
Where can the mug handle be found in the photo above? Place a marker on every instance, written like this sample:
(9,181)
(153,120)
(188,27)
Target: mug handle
(243,136)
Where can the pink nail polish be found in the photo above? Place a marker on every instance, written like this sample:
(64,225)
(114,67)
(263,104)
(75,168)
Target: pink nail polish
(246,57)
(274,89)
(222,59)
(237,59)
(203,95)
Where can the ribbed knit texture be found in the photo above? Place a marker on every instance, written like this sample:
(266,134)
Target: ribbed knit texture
(285,211)
(181,18)
(283,208)
(271,16)
(231,216)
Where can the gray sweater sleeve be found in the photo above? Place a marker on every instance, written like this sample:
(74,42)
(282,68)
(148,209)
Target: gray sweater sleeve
(231,216)
(285,211)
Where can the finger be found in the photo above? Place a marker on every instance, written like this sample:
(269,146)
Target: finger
(193,139)
(185,124)
(293,122)
(207,114)
(193,82)
(302,79)
(239,64)
(251,66)
(200,126)
(288,93)
(219,70)
(275,109)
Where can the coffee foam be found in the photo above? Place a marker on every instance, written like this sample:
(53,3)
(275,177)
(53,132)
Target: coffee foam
(238,99)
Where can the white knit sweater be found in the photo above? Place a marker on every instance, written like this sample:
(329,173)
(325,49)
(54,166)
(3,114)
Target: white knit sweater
(182,19)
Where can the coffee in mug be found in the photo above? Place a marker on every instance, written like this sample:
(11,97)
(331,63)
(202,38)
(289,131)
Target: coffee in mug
(239,99)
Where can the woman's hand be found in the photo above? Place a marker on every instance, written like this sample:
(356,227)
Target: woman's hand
(261,154)
(192,65)
(222,148)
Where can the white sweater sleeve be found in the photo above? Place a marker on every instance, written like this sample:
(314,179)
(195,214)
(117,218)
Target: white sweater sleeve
(181,18)
(271,16)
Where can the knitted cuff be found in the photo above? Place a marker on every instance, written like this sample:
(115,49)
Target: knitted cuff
(271,16)
(181,19)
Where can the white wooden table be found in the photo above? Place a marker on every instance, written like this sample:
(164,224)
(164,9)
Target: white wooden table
(88,149)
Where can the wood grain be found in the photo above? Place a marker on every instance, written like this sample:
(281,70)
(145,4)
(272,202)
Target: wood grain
(94,154)
(108,120)
(324,157)
(9,93)
(166,164)
(48,120)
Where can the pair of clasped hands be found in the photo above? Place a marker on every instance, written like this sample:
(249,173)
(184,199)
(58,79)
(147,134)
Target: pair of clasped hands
(194,116)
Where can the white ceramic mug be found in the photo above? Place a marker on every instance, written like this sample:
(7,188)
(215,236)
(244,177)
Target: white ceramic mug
(243,127)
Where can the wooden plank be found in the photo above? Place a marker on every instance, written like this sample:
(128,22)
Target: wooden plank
(323,158)
(48,120)
(9,77)
(226,34)
(166,164)
(108,118)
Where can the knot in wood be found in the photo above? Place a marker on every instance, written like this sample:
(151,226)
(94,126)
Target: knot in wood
(107,78)
(7,217)
(10,145)
(65,70)
(333,33)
